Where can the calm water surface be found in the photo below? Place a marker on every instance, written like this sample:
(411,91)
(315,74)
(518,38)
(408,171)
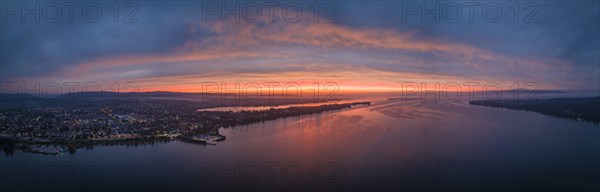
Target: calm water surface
(390,145)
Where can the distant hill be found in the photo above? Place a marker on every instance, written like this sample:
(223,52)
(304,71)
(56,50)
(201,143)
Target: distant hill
(108,95)
(537,91)
(104,98)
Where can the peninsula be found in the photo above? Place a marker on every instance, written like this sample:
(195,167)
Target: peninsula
(57,129)
(583,109)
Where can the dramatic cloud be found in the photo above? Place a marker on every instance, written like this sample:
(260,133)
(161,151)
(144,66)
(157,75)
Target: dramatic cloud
(172,48)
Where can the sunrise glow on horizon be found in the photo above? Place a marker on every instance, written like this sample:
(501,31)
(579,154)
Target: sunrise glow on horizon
(359,55)
(306,95)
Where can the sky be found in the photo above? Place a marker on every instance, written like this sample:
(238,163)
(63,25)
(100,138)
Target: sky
(358,45)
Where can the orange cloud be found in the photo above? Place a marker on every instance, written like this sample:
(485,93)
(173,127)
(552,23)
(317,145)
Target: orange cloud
(243,42)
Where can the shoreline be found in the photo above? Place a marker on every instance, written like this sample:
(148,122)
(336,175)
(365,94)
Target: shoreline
(200,136)
(579,109)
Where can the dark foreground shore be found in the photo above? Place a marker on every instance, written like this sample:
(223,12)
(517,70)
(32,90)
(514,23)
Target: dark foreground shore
(582,109)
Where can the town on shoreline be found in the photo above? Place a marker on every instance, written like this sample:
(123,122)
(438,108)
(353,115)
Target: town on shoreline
(58,129)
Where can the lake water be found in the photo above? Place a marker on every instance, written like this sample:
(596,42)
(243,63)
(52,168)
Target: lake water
(391,145)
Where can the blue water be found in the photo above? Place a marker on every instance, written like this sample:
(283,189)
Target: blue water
(390,145)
